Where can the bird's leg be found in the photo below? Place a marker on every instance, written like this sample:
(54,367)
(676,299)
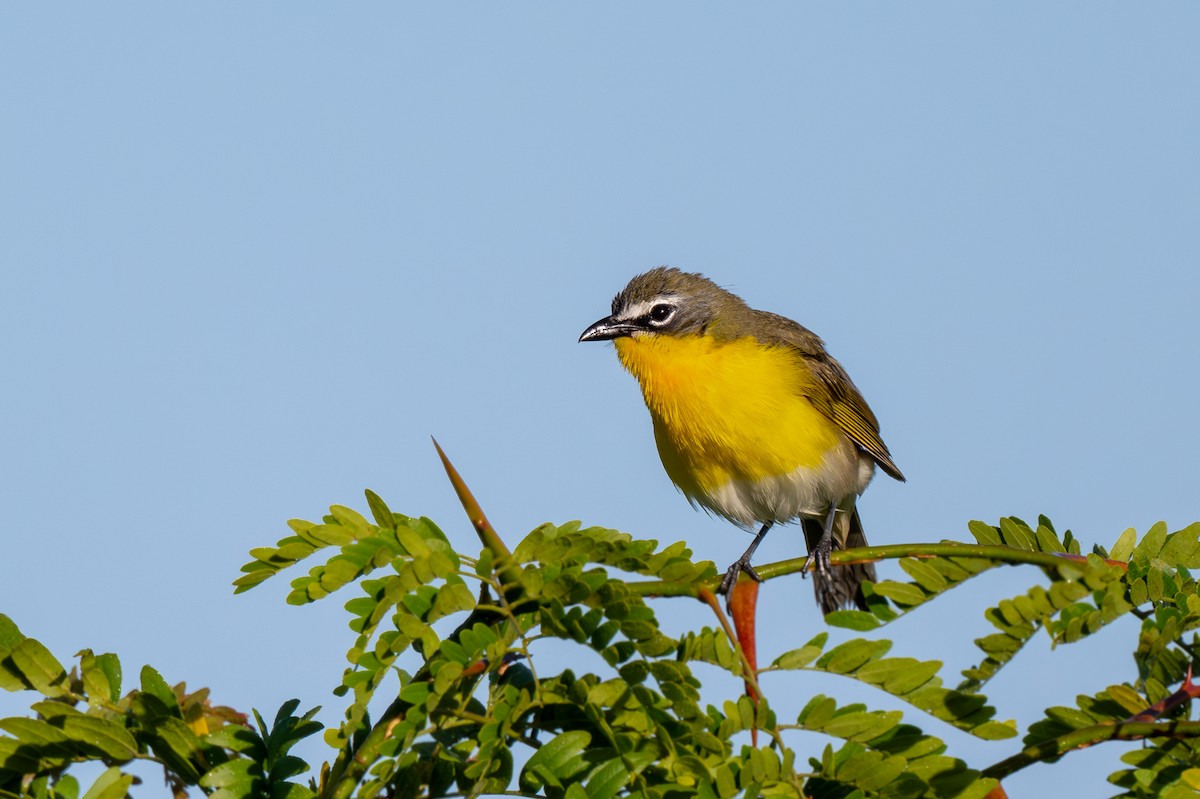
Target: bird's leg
(742,564)
(819,556)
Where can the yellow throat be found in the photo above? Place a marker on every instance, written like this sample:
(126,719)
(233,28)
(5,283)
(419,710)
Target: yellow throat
(728,411)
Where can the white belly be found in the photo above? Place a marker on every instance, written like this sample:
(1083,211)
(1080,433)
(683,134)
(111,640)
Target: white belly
(803,493)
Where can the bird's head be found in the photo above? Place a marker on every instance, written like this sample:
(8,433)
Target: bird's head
(665,301)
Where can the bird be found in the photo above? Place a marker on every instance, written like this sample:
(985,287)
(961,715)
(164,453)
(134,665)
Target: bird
(754,420)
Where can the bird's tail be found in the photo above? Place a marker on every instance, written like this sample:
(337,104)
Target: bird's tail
(842,586)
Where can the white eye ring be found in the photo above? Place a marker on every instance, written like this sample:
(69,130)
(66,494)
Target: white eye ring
(660,314)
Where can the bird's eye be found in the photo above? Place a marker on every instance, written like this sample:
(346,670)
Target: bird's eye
(661,313)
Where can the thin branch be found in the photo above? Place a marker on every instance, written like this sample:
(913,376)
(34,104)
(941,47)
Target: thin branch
(996,552)
(1186,693)
(1090,736)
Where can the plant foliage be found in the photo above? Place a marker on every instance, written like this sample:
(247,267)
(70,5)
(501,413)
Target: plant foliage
(447,693)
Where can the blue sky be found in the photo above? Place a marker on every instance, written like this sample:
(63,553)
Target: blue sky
(254,255)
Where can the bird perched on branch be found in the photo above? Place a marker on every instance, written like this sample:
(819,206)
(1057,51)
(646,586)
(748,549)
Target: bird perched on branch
(754,420)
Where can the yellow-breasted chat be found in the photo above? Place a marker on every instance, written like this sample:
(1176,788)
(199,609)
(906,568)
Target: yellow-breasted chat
(754,420)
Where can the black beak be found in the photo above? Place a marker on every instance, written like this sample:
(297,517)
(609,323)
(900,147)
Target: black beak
(607,328)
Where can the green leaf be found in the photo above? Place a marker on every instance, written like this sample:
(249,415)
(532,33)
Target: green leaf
(1047,541)
(43,671)
(240,739)
(899,676)
(287,767)
(1182,548)
(154,685)
(34,731)
(858,620)
(863,727)
(1123,549)
(606,779)
(415,693)
(1015,533)
(925,574)
(852,655)
(356,526)
(101,676)
(240,777)
(111,739)
(380,511)
(11,677)
(799,658)
(174,741)
(900,593)
(66,787)
(984,533)
(291,790)
(112,784)
(556,761)
(1151,544)
(10,636)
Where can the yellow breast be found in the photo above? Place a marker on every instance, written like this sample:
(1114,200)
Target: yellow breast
(728,411)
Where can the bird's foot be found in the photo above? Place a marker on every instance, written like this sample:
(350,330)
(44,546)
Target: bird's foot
(819,557)
(740,565)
